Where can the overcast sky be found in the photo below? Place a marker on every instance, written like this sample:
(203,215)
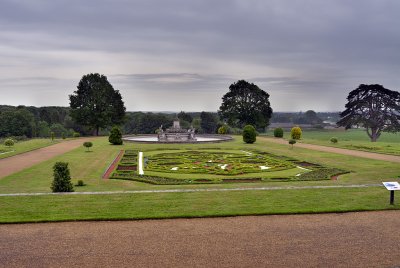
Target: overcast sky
(182,55)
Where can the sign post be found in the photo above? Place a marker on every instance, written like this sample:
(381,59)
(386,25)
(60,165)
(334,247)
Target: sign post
(392,186)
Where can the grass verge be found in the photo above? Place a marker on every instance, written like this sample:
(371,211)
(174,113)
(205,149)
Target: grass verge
(18,209)
(353,139)
(25,146)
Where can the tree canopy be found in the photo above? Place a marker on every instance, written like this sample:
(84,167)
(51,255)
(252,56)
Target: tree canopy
(209,122)
(373,107)
(312,117)
(17,122)
(96,104)
(246,104)
(185,117)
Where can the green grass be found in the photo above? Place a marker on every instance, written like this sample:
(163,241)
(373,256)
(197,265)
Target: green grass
(354,139)
(200,204)
(24,146)
(89,167)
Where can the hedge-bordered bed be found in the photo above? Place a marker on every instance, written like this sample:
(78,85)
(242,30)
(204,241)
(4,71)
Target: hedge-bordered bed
(216,166)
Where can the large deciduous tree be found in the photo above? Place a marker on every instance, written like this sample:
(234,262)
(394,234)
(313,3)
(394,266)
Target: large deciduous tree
(246,104)
(373,107)
(96,104)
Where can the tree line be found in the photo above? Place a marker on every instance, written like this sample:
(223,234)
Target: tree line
(96,106)
(30,122)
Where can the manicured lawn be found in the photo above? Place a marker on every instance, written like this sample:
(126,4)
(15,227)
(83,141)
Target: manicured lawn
(354,139)
(200,204)
(89,166)
(24,146)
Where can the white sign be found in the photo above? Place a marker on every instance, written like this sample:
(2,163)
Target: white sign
(392,185)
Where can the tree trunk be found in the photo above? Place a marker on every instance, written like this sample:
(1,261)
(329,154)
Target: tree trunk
(95,131)
(374,134)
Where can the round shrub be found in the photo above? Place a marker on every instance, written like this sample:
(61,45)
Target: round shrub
(9,142)
(223,130)
(87,145)
(76,135)
(292,142)
(80,183)
(278,132)
(62,178)
(115,137)
(295,133)
(249,134)
(334,140)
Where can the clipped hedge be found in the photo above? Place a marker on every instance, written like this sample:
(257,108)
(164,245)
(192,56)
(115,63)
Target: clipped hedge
(249,134)
(278,132)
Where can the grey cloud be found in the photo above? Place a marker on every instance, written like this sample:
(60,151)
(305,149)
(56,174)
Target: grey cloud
(303,46)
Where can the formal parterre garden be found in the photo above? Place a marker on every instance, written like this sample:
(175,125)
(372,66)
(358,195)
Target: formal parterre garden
(218,166)
(187,192)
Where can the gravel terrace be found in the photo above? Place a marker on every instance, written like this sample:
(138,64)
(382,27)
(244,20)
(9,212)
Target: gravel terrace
(361,239)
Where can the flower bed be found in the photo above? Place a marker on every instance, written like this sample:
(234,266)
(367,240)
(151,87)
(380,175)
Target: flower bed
(226,167)
(127,166)
(218,163)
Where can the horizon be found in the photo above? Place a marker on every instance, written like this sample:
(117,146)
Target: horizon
(172,112)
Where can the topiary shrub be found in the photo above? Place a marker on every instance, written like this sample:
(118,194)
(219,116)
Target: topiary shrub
(9,142)
(80,183)
(87,145)
(223,130)
(249,134)
(292,142)
(278,132)
(76,135)
(52,135)
(115,137)
(63,136)
(62,178)
(295,133)
(334,140)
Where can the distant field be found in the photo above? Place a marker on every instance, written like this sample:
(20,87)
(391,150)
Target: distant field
(354,139)
(24,146)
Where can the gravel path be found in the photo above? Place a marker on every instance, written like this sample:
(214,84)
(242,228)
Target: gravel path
(363,239)
(19,162)
(376,156)
(272,188)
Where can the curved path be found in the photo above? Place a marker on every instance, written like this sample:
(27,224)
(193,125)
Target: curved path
(376,156)
(363,239)
(22,161)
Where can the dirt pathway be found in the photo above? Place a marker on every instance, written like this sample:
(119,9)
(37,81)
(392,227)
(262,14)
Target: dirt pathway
(376,156)
(19,162)
(363,239)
